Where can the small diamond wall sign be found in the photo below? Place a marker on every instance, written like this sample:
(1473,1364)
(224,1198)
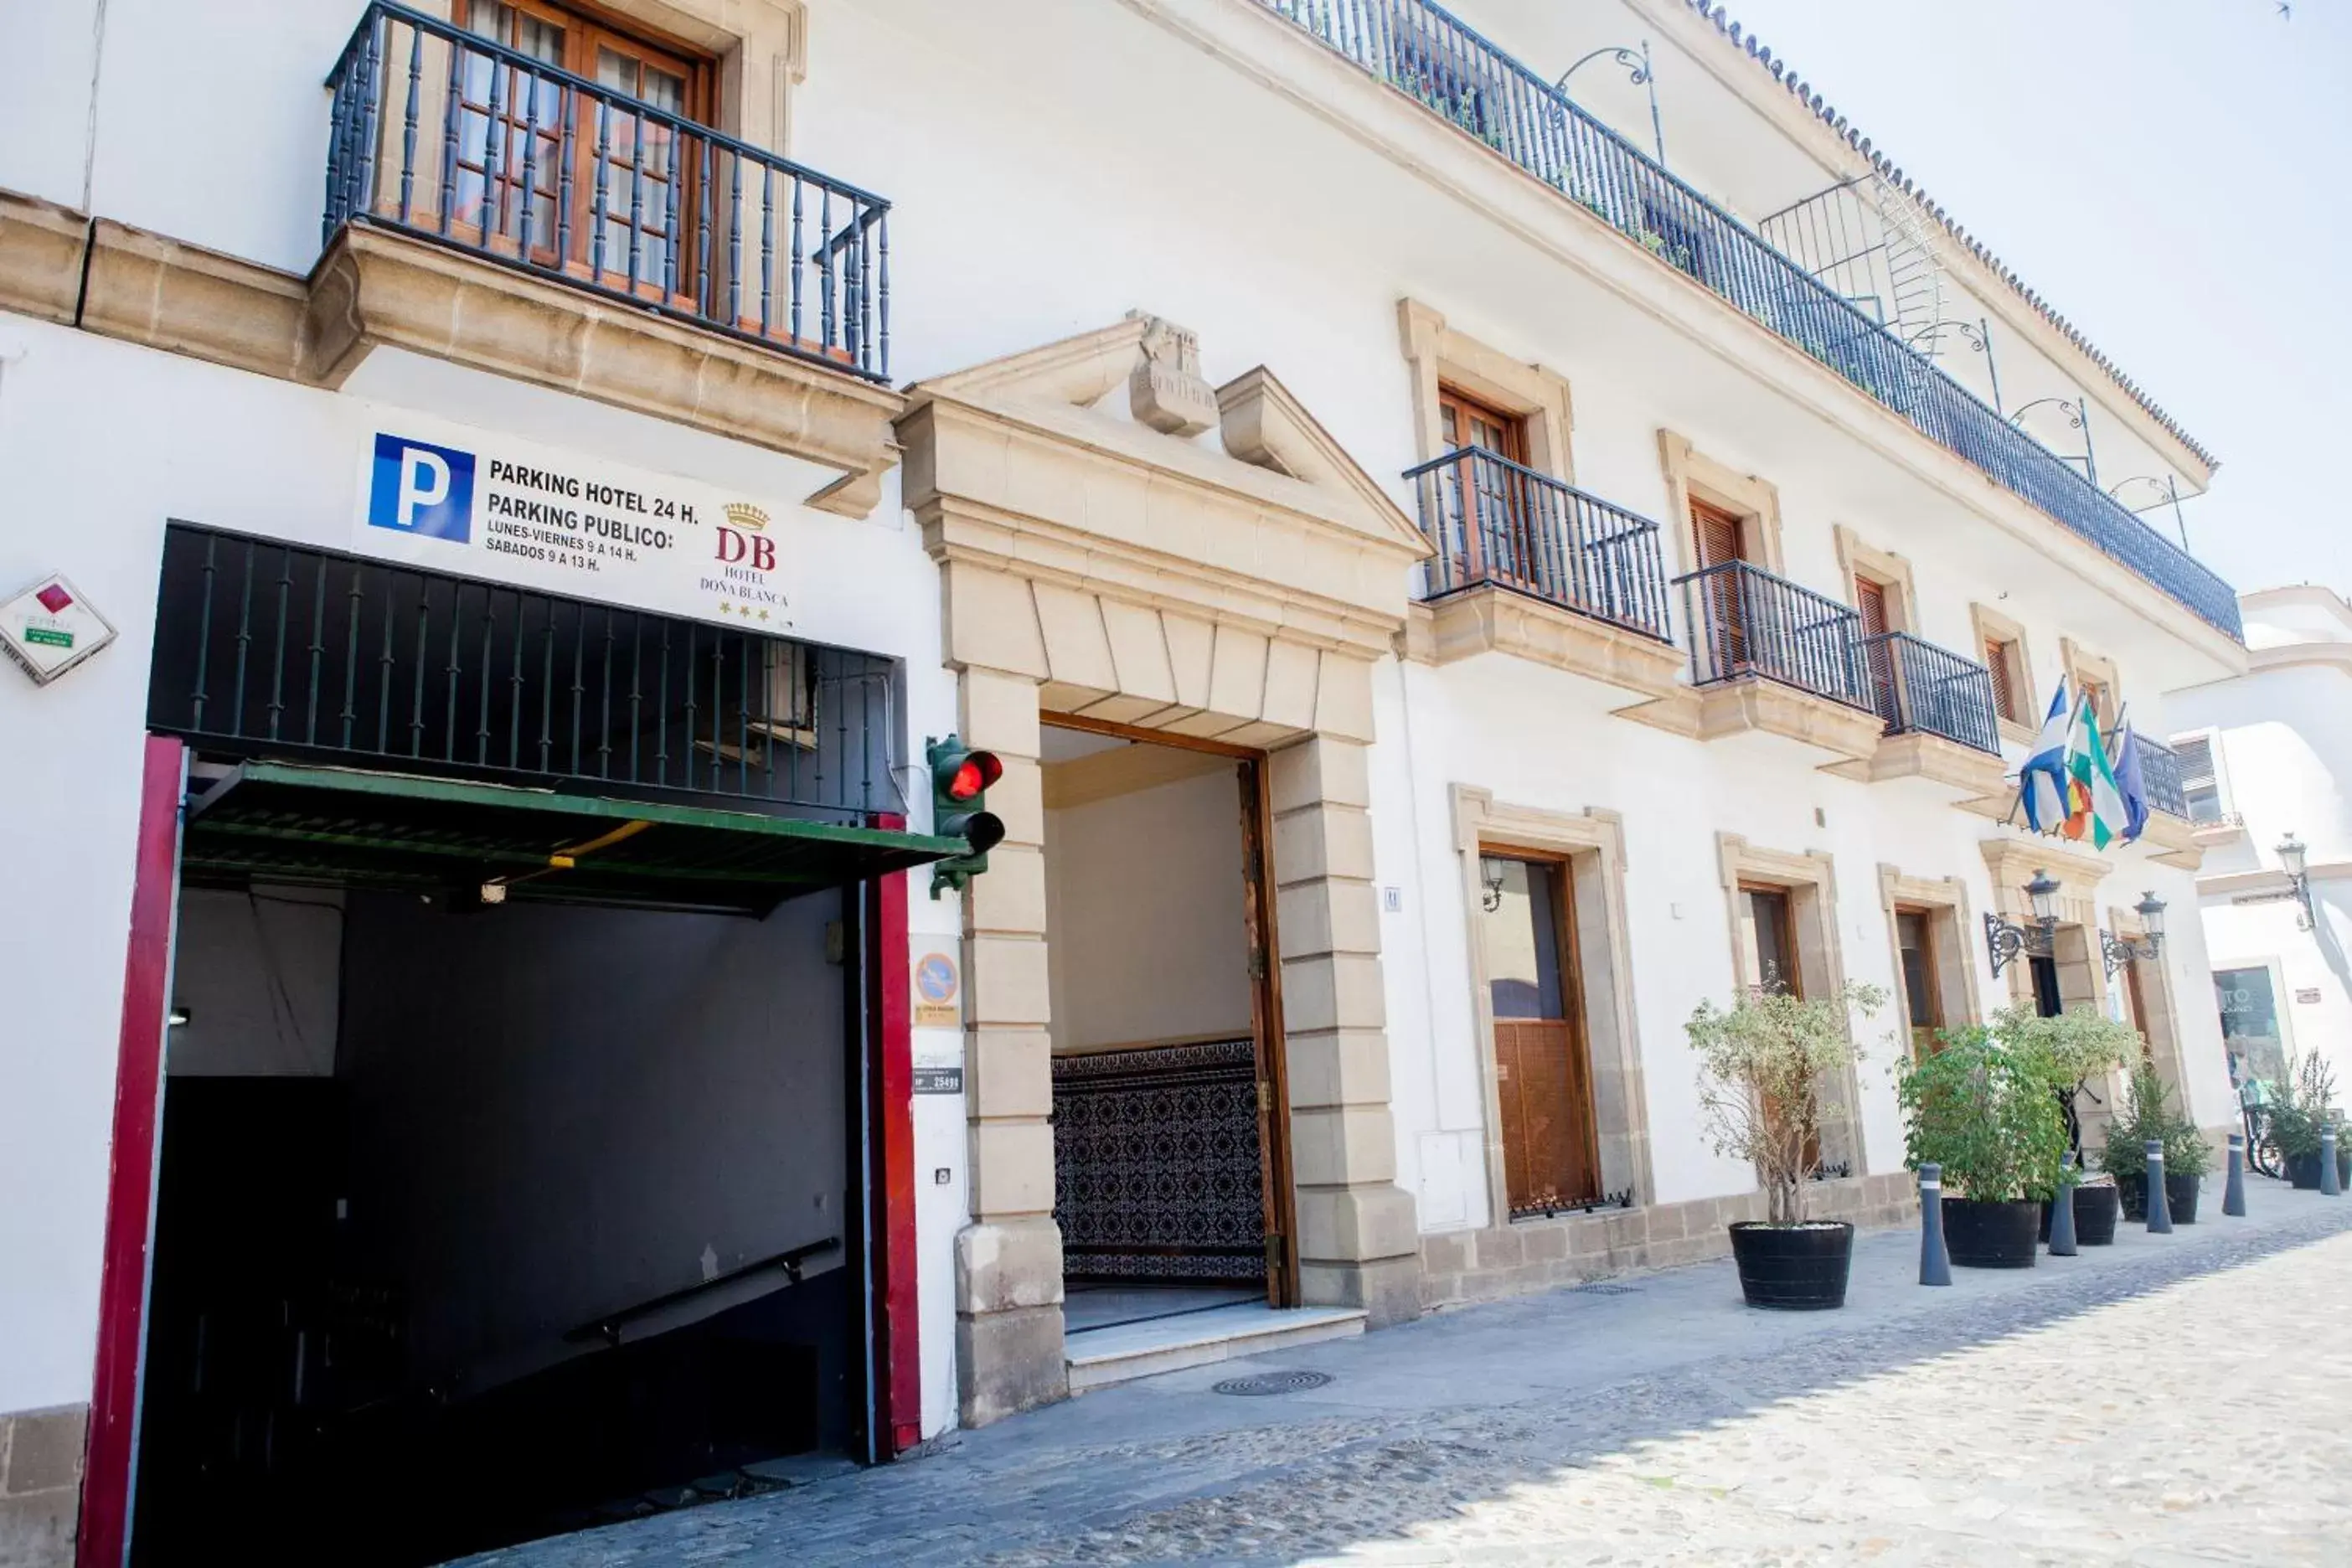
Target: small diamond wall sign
(49,627)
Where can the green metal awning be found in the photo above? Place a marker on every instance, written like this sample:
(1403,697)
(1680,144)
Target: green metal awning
(281,822)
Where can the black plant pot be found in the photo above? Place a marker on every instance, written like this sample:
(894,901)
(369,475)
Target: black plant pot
(1794,1268)
(2303,1171)
(2131,1189)
(2179,1194)
(1991,1235)
(2094,1216)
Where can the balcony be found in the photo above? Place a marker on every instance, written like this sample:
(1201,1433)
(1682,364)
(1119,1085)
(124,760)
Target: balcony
(2172,829)
(1937,707)
(1424,52)
(1528,565)
(486,208)
(1770,656)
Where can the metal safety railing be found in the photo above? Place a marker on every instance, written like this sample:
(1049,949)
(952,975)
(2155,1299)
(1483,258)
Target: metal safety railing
(1919,687)
(264,648)
(441,133)
(1423,51)
(2159,769)
(1497,522)
(1744,621)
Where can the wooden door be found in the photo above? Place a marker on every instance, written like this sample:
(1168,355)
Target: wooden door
(1542,1057)
(1722,538)
(1487,503)
(1266,1028)
(1923,1000)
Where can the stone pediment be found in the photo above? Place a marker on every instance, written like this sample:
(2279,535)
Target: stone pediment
(1274,451)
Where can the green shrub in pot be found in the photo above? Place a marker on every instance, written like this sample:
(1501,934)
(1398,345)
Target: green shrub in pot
(2148,1114)
(1981,1108)
(1984,1109)
(2300,1104)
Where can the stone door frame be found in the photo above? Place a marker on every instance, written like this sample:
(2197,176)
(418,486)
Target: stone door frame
(1258,875)
(1124,570)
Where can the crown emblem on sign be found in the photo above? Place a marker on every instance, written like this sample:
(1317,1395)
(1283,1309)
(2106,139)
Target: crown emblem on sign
(743,514)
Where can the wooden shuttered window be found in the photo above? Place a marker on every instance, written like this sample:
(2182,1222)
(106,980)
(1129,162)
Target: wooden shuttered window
(2000,658)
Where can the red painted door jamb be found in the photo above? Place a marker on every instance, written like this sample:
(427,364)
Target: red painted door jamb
(104,1534)
(900,1355)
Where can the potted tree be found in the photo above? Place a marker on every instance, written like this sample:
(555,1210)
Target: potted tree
(2074,1048)
(1764,1064)
(2299,1111)
(2148,1113)
(1981,1108)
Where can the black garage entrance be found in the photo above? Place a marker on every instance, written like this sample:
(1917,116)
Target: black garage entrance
(517,1096)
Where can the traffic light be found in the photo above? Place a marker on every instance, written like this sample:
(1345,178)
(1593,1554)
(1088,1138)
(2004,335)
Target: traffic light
(959,781)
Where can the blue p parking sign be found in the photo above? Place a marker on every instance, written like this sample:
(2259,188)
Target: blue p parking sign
(420,489)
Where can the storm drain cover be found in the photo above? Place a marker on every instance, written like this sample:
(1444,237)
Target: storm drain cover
(1607,1290)
(1275,1383)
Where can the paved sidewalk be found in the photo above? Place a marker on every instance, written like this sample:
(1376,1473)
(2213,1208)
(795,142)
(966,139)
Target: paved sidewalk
(2167,1400)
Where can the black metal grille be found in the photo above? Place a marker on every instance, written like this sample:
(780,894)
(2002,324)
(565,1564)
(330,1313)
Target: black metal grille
(1918,687)
(1426,52)
(2159,769)
(1495,520)
(1744,621)
(268,648)
(440,132)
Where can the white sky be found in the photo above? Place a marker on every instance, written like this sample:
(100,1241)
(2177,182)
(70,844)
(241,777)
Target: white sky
(2172,177)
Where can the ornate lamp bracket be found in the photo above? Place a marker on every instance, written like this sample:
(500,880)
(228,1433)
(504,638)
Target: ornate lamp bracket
(2006,940)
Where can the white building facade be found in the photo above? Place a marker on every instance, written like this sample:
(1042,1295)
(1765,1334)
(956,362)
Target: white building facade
(1599,609)
(2264,762)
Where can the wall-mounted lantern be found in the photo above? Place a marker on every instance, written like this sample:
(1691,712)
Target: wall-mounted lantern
(1490,882)
(2295,858)
(2006,939)
(2117,951)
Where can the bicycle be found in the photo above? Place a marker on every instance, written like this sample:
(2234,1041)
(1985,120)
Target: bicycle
(2263,1153)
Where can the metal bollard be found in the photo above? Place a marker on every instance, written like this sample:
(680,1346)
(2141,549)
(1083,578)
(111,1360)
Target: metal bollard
(2159,1212)
(1935,1263)
(2233,1196)
(2330,1185)
(2062,1210)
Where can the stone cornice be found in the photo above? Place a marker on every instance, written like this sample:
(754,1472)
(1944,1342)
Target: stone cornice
(373,288)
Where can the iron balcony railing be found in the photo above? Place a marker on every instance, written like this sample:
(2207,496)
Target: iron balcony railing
(1744,621)
(1920,688)
(1497,522)
(440,132)
(1425,52)
(2159,769)
(270,649)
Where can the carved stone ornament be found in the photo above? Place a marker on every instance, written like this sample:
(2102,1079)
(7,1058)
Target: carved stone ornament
(1165,390)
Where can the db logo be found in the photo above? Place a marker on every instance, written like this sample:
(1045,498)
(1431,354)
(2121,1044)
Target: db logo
(746,544)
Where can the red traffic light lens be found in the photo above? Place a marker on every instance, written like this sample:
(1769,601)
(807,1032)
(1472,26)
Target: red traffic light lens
(967,782)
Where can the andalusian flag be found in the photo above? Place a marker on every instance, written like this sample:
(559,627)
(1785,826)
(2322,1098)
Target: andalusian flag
(2095,804)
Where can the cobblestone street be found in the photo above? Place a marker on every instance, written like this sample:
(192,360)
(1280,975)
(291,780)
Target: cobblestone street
(2169,1400)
